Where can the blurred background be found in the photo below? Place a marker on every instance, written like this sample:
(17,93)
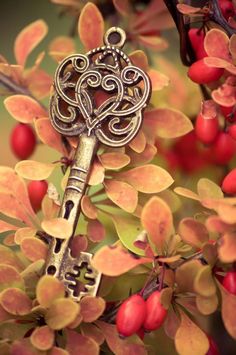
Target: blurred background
(15,15)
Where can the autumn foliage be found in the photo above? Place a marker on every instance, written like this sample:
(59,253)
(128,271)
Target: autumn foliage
(160,213)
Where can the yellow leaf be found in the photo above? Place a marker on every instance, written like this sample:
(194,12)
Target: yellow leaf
(33,170)
(61,313)
(57,227)
(189,338)
(48,290)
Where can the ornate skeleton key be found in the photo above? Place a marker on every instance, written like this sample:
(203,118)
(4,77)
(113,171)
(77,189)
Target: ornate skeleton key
(74,111)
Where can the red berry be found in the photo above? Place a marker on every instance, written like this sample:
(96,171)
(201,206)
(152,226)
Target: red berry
(229,182)
(22,141)
(206,129)
(232,131)
(200,73)
(196,37)
(37,190)
(213,350)
(131,315)
(229,282)
(227,8)
(156,313)
(229,113)
(224,148)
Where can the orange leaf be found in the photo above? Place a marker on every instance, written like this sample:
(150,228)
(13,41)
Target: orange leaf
(157,220)
(15,301)
(187,9)
(23,108)
(34,249)
(48,135)
(28,39)
(22,233)
(115,261)
(189,338)
(88,208)
(10,277)
(80,344)
(57,227)
(138,144)
(14,199)
(23,347)
(61,313)
(42,338)
(158,80)
(48,290)
(186,193)
(118,345)
(216,44)
(122,194)
(96,176)
(34,170)
(114,160)
(60,47)
(5,227)
(193,232)
(147,178)
(227,248)
(39,83)
(96,231)
(91,26)
(139,59)
(9,257)
(145,157)
(92,308)
(228,311)
(168,123)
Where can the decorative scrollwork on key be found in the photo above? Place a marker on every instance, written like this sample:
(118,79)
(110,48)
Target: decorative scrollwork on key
(108,72)
(98,97)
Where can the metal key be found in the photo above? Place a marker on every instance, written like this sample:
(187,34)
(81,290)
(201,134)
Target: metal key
(79,81)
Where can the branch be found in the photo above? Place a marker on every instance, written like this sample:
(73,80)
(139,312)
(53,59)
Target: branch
(16,88)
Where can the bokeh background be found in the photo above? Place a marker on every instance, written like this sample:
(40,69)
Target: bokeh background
(15,15)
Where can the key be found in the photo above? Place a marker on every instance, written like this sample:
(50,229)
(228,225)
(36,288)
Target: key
(98,97)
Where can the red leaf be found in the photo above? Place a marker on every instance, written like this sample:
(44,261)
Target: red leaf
(91,26)
(115,261)
(23,108)
(28,39)
(96,231)
(80,344)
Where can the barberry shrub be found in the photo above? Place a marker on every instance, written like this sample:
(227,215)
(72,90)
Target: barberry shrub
(160,213)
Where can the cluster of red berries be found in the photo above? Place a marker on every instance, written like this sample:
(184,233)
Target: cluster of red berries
(23,143)
(136,315)
(221,144)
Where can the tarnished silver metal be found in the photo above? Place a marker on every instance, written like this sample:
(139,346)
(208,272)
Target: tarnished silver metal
(99,97)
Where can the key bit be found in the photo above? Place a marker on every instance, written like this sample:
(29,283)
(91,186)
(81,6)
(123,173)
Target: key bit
(76,110)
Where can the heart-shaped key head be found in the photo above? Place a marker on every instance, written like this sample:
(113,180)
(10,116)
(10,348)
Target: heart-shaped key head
(100,92)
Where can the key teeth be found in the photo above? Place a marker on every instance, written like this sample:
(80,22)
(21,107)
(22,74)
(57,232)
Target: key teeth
(71,270)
